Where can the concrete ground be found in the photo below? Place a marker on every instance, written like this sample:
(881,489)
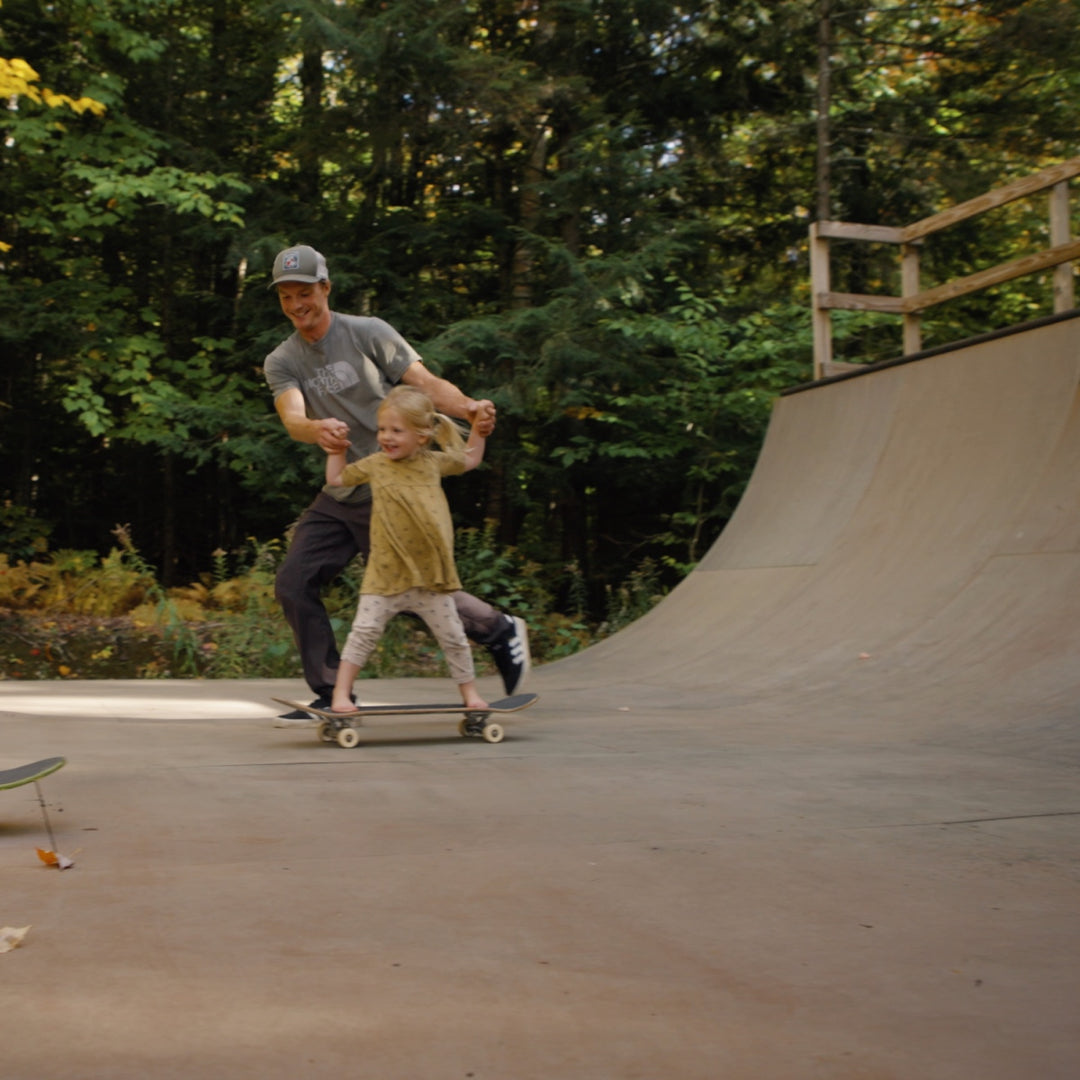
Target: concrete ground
(625,887)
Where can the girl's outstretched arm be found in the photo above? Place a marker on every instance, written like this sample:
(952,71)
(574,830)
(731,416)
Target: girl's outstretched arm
(335,466)
(474,448)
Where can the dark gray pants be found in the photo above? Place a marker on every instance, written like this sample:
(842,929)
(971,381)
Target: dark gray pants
(326,539)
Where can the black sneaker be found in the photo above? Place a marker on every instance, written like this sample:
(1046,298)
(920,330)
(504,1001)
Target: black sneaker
(298,716)
(511,654)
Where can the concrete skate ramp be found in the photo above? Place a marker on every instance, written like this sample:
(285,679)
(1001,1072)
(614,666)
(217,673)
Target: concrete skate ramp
(910,536)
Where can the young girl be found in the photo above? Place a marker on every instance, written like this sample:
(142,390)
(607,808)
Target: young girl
(411,565)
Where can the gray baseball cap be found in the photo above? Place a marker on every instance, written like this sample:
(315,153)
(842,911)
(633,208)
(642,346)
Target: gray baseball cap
(302,264)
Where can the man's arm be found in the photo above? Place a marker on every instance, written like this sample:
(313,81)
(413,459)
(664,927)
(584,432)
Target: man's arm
(449,399)
(331,435)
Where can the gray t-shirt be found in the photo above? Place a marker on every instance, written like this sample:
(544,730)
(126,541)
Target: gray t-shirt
(344,376)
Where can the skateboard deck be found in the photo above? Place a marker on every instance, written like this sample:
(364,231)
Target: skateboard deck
(26,774)
(341,727)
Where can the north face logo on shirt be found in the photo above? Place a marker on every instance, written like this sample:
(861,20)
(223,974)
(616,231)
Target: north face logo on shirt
(333,378)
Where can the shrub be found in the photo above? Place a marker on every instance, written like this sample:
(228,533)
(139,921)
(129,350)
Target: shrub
(23,535)
(73,615)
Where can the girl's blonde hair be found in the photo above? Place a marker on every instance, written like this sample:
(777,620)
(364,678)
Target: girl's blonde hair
(418,411)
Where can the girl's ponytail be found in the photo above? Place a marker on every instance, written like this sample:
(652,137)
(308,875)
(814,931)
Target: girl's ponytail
(448,435)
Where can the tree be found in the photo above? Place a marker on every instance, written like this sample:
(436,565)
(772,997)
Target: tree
(125,273)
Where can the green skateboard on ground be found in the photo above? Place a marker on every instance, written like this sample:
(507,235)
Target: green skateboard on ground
(31,774)
(341,727)
(26,774)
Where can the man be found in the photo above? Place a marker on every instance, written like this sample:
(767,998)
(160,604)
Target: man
(328,379)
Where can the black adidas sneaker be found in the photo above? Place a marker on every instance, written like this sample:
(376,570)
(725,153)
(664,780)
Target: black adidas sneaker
(511,654)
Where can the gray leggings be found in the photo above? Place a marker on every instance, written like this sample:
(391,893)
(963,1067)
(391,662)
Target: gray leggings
(438,610)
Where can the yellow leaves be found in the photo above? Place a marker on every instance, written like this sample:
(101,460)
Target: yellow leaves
(17,78)
(80,105)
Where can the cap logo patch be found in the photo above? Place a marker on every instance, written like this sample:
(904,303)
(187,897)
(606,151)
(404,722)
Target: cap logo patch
(291,261)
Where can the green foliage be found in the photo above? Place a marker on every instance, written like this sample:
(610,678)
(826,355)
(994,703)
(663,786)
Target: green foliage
(22,534)
(629,387)
(637,596)
(706,410)
(502,577)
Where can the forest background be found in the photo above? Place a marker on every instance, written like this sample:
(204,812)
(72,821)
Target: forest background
(594,212)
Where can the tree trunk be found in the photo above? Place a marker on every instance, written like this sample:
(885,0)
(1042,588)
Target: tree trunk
(823,101)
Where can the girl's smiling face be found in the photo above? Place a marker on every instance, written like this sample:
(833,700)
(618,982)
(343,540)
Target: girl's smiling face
(397,439)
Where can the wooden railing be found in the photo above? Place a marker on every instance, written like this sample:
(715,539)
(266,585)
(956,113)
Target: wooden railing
(913,299)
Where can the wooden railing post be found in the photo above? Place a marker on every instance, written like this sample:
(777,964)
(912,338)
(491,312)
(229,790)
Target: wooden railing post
(909,286)
(821,319)
(1060,234)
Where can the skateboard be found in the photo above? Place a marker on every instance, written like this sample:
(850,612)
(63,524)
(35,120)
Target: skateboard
(341,727)
(26,774)
(31,774)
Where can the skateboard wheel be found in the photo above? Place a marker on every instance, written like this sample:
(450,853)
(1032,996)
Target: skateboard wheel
(463,729)
(326,731)
(493,733)
(347,738)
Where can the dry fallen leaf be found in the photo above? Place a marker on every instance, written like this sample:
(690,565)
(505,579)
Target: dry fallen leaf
(53,858)
(11,937)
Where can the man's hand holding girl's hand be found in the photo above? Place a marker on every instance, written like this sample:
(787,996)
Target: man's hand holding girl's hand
(333,436)
(482,417)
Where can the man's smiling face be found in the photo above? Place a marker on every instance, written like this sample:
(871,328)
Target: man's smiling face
(307,307)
